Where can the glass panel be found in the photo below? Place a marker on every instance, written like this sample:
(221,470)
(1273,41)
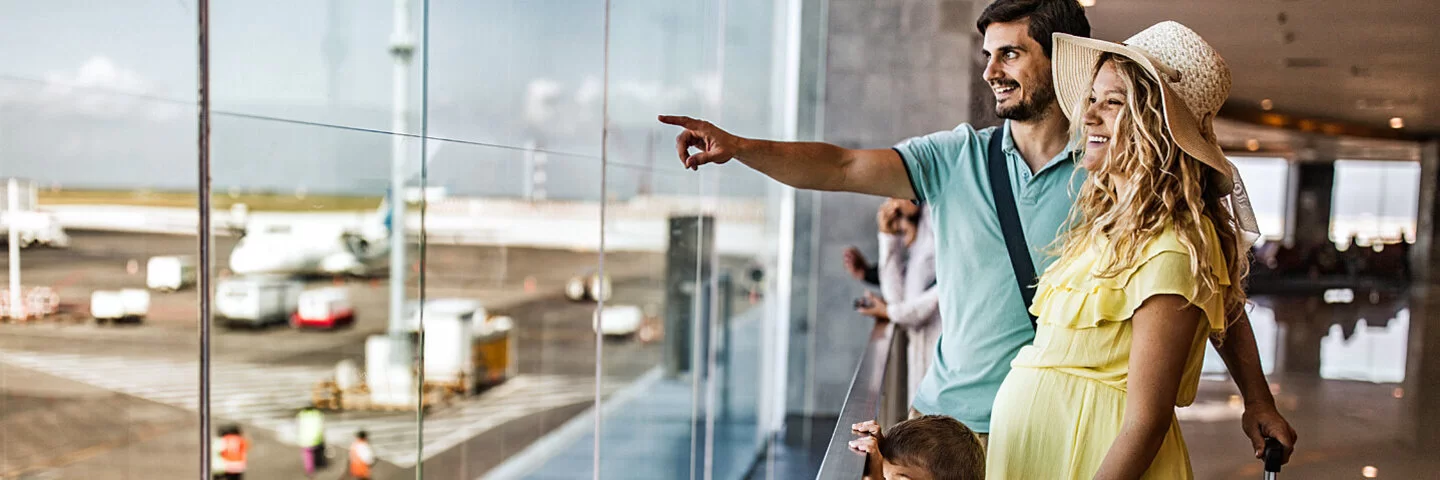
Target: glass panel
(98,348)
(515,91)
(316,274)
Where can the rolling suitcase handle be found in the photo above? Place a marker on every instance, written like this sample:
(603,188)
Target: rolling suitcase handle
(1274,455)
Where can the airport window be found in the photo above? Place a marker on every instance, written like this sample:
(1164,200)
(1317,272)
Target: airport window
(1375,202)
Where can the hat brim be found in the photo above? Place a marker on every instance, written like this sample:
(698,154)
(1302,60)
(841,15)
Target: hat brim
(1073,67)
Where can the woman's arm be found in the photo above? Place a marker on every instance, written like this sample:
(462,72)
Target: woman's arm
(1261,419)
(1164,328)
(916,312)
(892,268)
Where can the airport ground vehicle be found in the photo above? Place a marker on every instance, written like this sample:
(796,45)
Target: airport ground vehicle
(256,301)
(115,306)
(328,307)
(170,273)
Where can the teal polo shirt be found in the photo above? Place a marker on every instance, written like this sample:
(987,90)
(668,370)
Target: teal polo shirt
(983,318)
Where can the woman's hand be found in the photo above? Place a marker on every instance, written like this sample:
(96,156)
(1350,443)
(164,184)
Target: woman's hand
(855,263)
(874,306)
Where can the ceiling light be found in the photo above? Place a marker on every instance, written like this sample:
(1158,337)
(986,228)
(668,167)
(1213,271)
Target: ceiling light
(1266,104)
(1370,472)
(1252,145)
(1399,392)
(1397,122)
(1087,3)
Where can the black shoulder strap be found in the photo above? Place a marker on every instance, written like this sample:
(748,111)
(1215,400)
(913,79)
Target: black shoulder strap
(1010,222)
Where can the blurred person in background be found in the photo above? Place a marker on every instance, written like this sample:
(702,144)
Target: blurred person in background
(310,435)
(909,294)
(233,454)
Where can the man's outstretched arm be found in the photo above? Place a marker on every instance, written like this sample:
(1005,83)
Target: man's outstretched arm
(1261,418)
(805,165)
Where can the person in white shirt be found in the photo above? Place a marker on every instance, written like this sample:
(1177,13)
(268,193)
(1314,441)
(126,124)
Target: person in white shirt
(909,296)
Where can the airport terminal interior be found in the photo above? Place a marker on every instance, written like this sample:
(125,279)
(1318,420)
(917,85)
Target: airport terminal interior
(456,229)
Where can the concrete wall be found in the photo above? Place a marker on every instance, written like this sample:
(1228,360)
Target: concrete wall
(894,69)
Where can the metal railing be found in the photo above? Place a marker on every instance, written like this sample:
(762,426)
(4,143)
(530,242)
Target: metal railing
(866,400)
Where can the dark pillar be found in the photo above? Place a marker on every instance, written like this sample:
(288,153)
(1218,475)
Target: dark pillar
(1424,256)
(1312,184)
(691,238)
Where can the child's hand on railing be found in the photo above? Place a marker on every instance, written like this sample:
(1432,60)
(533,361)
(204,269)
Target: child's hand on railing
(869,445)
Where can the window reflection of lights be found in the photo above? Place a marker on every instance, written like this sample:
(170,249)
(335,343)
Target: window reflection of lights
(1087,3)
(1370,472)
(1397,122)
(1266,104)
(1339,295)
(1252,145)
(1399,392)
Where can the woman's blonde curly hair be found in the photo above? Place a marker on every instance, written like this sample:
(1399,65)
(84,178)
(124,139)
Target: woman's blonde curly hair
(1166,187)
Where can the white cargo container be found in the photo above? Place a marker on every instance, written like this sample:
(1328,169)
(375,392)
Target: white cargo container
(131,304)
(256,301)
(463,346)
(170,273)
(448,346)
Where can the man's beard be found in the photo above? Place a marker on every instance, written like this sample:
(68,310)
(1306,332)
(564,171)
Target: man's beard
(1034,107)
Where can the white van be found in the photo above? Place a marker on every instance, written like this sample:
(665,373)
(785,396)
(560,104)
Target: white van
(130,304)
(256,301)
(170,273)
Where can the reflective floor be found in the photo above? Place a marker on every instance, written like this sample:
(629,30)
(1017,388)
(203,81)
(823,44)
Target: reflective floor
(1356,373)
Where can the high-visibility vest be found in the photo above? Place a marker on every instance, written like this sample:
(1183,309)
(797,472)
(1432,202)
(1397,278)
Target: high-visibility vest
(310,428)
(234,453)
(360,461)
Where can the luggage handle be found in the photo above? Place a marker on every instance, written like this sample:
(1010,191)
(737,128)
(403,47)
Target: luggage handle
(1274,456)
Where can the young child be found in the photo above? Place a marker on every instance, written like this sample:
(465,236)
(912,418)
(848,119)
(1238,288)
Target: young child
(930,447)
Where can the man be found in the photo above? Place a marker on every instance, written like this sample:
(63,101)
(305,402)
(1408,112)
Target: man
(985,323)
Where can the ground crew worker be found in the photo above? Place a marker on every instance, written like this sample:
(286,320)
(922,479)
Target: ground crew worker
(310,435)
(233,451)
(362,457)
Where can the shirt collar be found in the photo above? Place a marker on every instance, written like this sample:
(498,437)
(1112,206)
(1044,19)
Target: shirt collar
(1071,152)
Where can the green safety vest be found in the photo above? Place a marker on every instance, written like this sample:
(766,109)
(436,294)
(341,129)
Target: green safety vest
(311,428)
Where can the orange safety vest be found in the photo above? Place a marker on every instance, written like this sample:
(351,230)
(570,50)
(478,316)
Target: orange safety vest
(234,453)
(358,467)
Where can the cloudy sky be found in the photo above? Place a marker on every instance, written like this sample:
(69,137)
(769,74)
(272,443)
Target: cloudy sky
(100,95)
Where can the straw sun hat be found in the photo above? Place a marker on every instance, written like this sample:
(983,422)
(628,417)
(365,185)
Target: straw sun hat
(1194,84)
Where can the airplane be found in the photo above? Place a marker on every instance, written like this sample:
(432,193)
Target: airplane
(306,248)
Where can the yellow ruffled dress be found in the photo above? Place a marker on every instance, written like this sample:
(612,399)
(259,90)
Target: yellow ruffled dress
(1063,402)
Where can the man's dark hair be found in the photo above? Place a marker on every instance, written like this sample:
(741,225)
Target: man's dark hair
(362,435)
(1046,17)
(938,444)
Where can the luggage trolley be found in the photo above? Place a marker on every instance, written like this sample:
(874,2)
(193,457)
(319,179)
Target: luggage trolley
(1274,455)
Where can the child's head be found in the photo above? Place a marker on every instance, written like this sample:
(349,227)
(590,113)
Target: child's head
(361,435)
(932,447)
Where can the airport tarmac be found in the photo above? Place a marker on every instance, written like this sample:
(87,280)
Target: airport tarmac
(138,381)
